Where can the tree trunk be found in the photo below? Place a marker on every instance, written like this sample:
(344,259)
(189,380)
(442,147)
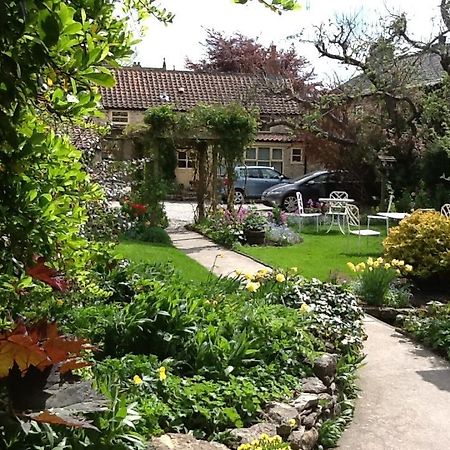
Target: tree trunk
(202,151)
(214,185)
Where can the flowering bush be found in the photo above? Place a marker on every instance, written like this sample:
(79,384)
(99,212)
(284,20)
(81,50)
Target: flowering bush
(375,277)
(282,235)
(254,221)
(277,216)
(266,442)
(422,240)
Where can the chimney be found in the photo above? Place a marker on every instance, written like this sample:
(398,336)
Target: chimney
(164,66)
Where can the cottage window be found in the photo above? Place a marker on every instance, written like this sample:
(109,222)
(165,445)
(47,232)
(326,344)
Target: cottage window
(265,156)
(297,156)
(119,118)
(184,159)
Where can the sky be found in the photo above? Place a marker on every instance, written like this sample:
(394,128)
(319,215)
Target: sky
(184,37)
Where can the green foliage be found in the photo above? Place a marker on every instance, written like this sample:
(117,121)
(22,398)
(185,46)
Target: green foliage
(376,277)
(142,232)
(423,241)
(431,325)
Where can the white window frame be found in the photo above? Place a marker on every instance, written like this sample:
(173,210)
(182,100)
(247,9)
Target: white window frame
(120,118)
(301,156)
(188,163)
(255,162)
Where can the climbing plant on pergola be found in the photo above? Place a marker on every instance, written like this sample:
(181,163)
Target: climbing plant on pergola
(213,132)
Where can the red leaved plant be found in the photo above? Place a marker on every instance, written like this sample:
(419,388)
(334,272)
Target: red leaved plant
(36,363)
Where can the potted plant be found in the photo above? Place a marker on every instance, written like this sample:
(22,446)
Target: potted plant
(254,225)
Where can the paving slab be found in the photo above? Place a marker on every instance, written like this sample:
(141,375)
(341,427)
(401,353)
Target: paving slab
(405,396)
(220,261)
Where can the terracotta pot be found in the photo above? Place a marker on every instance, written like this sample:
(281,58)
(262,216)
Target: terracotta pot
(255,237)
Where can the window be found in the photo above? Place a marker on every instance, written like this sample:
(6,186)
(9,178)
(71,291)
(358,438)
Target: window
(265,156)
(119,118)
(297,156)
(184,159)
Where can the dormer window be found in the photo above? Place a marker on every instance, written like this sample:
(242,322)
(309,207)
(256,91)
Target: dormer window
(119,118)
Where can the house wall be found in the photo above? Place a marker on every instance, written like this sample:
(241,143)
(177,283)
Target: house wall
(122,149)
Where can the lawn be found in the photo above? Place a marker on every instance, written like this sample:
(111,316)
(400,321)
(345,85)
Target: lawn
(320,255)
(162,253)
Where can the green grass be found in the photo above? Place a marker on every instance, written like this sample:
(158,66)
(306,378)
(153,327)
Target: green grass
(161,253)
(320,255)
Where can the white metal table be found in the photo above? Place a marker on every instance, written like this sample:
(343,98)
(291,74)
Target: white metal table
(335,216)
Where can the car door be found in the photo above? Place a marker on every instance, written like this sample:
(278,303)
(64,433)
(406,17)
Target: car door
(252,182)
(269,177)
(315,188)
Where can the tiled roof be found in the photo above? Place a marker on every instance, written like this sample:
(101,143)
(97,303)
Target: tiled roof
(139,88)
(267,136)
(422,69)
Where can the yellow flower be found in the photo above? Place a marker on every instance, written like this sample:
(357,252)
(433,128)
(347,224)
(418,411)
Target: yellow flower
(249,276)
(238,272)
(293,269)
(137,380)
(380,260)
(305,308)
(292,423)
(400,263)
(59,302)
(263,272)
(387,266)
(408,268)
(280,278)
(351,266)
(370,261)
(162,373)
(252,287)
(360,267)
(376,264)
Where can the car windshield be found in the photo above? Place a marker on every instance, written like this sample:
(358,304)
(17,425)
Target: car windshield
(307,175)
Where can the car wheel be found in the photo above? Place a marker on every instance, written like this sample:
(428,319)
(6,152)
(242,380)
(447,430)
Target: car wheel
(290,203)
(239,197)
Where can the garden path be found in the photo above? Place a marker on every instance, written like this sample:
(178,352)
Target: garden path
(405,396)
(220,261)
(405,389)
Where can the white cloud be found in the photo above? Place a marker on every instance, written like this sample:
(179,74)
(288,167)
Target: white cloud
(183,38)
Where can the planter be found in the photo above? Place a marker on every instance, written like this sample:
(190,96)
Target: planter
(255,237)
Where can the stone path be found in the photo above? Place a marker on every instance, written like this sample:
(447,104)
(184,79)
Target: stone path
(405,389)
(405,396)
(222,262)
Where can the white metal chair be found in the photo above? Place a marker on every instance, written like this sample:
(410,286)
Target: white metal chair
(303,214)
(337,211)
(354,224)
(377,217)
(445,210)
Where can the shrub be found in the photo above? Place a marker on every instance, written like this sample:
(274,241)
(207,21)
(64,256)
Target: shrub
(431,325)
(375,278)
(141,232)
(423,241)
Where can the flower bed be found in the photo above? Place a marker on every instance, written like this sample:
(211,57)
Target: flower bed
(208,358)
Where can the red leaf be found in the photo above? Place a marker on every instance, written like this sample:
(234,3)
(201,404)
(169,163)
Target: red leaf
(48,275)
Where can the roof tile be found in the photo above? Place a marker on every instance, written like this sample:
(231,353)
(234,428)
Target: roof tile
(140,88)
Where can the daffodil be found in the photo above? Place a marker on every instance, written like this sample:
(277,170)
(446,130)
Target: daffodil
(370,261)
(351,266)
(280,278)
(249,276)
(252,286)
(408,268)
(162,373)
(292,423)
(137,380)
(293,269)
(305,308)
(387,266)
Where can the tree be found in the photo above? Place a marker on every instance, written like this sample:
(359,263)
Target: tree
(240,54)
